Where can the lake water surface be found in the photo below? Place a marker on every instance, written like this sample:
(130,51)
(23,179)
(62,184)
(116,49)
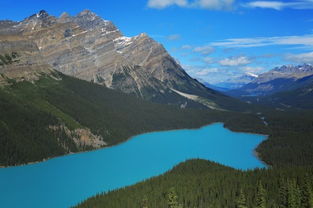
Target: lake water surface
(65,181)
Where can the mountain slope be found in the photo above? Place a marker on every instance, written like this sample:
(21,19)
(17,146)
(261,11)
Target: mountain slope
(277,80)
(299,95)
(90,48)
(44,113)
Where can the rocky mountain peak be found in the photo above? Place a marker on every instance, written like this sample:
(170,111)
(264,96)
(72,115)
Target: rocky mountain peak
(304,68)
(42,14)
(142,35)
(88,20)
(87,12)
(91,48)
(64,15)
(37,21)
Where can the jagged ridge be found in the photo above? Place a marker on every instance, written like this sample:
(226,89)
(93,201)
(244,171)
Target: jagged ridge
(90,48)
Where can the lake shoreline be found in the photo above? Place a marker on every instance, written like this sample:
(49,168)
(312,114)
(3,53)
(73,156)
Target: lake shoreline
(143,157)
(255,153)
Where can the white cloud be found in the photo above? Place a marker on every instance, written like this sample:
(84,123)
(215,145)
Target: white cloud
(228,4)
(213,4)
(212,75)
(208,60)
(205,50)
(266,4)
(252,69)
(160,4)
(279,5)
(301,58)
(186,47)
(203,4)
(205,72)
(304,40)
(235,61)
(173,37)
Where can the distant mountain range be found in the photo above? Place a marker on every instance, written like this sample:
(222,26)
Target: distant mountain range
(233,83)
(93,49)
(298,95)
(279,79)
(283,87)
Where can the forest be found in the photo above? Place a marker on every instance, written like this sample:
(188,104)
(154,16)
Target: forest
(286,183)
(204,184)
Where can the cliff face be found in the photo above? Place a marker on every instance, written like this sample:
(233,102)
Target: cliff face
(93,49)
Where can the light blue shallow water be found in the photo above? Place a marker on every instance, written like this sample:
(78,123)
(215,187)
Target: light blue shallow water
(65,181)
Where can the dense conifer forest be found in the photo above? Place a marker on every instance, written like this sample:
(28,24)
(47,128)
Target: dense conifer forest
(287,183)
(28,109)
(204,184)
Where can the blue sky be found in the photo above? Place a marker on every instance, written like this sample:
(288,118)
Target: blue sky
(214,40)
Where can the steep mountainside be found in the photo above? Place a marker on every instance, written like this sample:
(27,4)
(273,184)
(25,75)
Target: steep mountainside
(90,48)
(277,80)
(44,113)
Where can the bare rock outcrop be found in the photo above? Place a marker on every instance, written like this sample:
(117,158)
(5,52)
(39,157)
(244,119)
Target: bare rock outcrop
(93,49)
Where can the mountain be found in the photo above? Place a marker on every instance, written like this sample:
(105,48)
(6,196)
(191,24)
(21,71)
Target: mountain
(44,113)
(299,95)
(73,84)
(279,79)
(236,82)
(93,49)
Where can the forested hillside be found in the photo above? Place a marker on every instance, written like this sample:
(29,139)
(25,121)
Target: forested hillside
(45,118)
(287,183)
(204,184)
(40,120)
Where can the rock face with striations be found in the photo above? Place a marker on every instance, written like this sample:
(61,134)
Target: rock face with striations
(93,49)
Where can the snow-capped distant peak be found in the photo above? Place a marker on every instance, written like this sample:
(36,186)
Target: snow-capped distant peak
(252,75)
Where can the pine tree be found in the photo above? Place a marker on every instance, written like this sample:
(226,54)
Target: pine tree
(173,199)
(305,192)
(283,195)
(294,194)
(311,199)
(261,196)
(310,194)
(241,201)
(144,202)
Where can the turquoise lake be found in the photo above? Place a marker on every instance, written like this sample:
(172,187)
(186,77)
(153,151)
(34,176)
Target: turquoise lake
(65,181)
